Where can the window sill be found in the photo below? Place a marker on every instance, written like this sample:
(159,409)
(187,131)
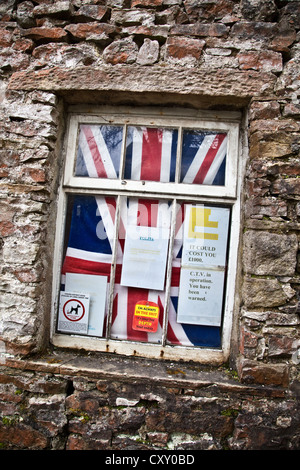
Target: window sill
(98,366)
(214,357)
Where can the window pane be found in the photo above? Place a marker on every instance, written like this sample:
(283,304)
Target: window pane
(188,334)
(99,151)
(151,154)
(141,266)
(88,252)
(203,157)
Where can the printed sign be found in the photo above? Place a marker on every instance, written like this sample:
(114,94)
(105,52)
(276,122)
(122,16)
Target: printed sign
(96,287)
(202,272)
(145,316)
(73,312)
(145,257)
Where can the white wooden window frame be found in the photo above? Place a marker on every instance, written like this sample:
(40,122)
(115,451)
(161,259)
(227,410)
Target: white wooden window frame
(228,195)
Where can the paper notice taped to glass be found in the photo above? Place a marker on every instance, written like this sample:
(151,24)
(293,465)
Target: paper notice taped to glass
(73,312)
(96,287)
(202,275)
(145,257)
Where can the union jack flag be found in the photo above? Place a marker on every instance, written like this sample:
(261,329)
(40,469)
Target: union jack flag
(203,158)
(99,151)
(151,154)
(90,249)
(92,226)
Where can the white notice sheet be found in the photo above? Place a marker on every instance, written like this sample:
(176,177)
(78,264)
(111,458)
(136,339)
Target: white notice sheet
(73,312)
(96,287)
(145,257)
(202,273)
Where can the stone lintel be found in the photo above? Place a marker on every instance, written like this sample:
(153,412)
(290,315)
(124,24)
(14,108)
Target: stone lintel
(226,86)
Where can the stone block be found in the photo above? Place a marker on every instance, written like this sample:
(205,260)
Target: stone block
(258,10)
(292,110)
(25,15)
(146,3)
(268,254)
(45,33)
(285,37)
(282,343)
(259,207)
(59,8)
(148,53)
(95,31)
(90,13)
(6,37)
(254,30)
(21,251)
(200,29)
(180,48)
(122,51)
(261,292)
(291,12)
(74,55)
(198,11)
(152,31)
(132,17)
(22,436)
(266,61)
(222,83)
(271,148)
(260,373)
(264,110)
(288,188)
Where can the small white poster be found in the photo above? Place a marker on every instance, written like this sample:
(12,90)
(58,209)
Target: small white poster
(202,273)
(73,312)
(205,236)
(96,287)
(200,297)
(145,257)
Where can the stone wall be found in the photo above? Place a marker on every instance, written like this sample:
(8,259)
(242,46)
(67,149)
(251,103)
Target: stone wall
(209,54)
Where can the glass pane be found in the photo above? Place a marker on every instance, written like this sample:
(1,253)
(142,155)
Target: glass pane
(141,269)
(151,154)
(99,151)
(203,157)
(188,334)
(88,254)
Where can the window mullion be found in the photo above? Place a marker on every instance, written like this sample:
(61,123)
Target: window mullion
(123,153)
(178,156)
(113,269)
(169,272)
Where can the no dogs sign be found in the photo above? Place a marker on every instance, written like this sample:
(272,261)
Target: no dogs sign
(73,312)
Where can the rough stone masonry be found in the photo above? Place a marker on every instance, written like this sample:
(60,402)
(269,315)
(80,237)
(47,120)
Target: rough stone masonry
(207,54)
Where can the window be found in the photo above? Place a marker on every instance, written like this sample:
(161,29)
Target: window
(148,224)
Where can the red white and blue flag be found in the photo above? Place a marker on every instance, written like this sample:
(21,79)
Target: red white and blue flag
(89,251)
(151,154)
(203,158)
(99,151)
(92,226)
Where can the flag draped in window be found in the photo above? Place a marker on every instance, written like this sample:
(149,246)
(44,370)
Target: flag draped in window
(89,251)
(203,158)
(150,155)
(99,151)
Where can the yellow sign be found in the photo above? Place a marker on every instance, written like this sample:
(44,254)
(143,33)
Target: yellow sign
(145,316)
(199,218)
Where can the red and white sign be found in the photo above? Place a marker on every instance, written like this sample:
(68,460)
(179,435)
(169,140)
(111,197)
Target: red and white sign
(73,312)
